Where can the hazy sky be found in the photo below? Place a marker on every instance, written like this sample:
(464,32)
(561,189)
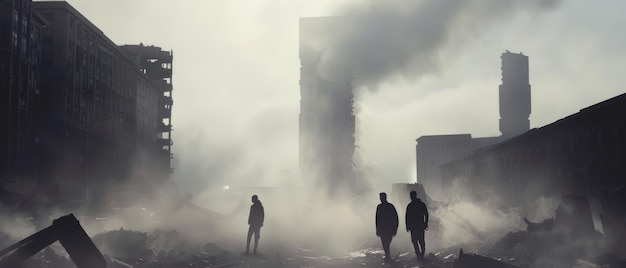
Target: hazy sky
(236,71)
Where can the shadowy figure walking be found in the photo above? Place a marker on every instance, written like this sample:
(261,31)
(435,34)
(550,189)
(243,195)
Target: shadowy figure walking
(255,220)
(386,223)
(417,223)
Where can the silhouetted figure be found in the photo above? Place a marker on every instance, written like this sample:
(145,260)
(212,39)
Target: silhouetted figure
(255,220)
(386,223)
(417,223)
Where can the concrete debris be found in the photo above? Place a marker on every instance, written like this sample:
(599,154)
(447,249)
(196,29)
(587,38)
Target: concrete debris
(163,240)
(545,226)
(68,232)
(122,243)
(212,249)
(510,241)
(48,258)
(567,239)
(120,263)
(474,260)
(584,264)
(572,216)
(609,260)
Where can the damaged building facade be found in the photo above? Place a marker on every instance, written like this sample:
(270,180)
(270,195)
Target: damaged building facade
(432,151)
(582,153)
(327,122)
(156,65)
(20,59)
(101,114)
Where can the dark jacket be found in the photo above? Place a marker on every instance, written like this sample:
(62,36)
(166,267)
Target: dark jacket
(386,219)
(257,214)
(416,215)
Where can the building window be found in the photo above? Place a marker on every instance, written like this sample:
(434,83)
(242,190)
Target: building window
(24,25)
(24,44)
(16,19)
(15,38)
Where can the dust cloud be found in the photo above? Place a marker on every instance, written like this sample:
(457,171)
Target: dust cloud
(384,40)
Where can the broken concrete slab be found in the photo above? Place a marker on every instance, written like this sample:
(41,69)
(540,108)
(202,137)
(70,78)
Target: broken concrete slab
(474,260)
(122,243)
(68,232)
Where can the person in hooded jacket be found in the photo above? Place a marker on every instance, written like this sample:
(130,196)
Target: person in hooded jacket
(255,220)
(386,223)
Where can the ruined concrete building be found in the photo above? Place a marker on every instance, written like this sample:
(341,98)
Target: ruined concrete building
(583,153)
(432,151)
(84,113)
(20,59)
(156,64)
(514,95)
(327,122)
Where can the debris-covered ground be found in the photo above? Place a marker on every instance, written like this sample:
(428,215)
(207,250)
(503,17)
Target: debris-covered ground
(567,239)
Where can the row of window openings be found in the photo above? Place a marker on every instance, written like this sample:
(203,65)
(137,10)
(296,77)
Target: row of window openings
(84,39)
(16,20)
(82,104)
(164,65)
(143,102)
(90,85)
(125,79)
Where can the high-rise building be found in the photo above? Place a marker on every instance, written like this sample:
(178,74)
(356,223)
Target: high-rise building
(514,95)
(99,112)
(20,55)
(327,122)
(433,151)
(156,64)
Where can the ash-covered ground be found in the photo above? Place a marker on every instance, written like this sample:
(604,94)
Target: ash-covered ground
(343,235)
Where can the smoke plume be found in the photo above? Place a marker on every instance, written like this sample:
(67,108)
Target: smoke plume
(383,40)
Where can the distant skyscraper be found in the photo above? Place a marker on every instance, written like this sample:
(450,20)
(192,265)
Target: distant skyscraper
(514,95)
(327,122)
(433,151)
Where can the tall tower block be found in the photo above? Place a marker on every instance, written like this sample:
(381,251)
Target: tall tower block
(514,95)
(327,122)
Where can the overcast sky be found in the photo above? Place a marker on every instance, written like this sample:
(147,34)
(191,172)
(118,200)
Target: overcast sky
(236,71)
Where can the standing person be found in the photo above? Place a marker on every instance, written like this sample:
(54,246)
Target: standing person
(255,220)
(386,223)
(417,223)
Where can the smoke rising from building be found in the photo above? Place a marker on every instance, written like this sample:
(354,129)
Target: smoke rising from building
(384,40)
(250,147)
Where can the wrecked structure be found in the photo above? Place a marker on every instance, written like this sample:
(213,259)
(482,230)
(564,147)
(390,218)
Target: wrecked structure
(20,68)
(68,231)
(432,151)
(156,64)
(514,95)
(582,153)
(327,122)
(566,239)
(84,114)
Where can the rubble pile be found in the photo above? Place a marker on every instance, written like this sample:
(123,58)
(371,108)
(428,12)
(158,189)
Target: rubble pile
(126,248)
(567,239)
(474,260)
(48,258)
(122,243)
